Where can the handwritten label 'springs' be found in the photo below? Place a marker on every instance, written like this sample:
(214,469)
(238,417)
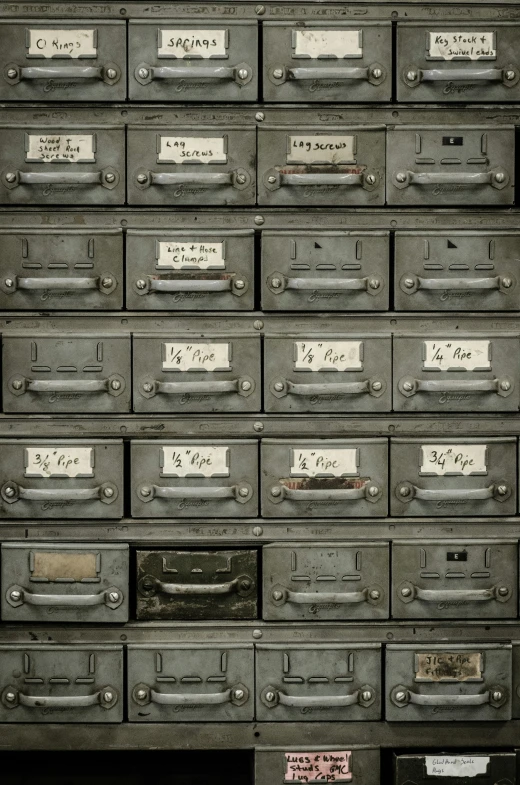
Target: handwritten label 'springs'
(59,461)
(442,459)
(456,355)
(201,149)
(193,356)
(198,460)
(328,355)
(456,766)
(448,666)
(59,43)
(338,462)
(187,253)
(53,148)
(327,43)
(327,766)
(184,44)
(325,149)
(462,46)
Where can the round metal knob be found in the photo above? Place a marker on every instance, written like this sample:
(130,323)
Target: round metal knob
(148,387)
(17,384)
(270,697)
(259,116)
(507,283)
(110,177)
(276,490)
(276,283)
(108,696)
(404,490)
(108,492)
(400,177)
(9,492)
(400,696)
(376,386)
(145,491)
(143,73)
(500,177)
(408,386)
(411,76)
(370,179)
(115,384)
(377,73)
(505,385)
(142,178)
(374,594)
(366,695)
(271,179)
(140,284)
(503,591)
(113,596)
(278,73)
(406,592)
(16,595)
(241,178)
(246,386)
(9,283)
(10,697)
(374,283)
(243,73)
(141,695)
(111,73)
(10,177)
(373,490)
(409,283)
(277,595)
(106,283)
(510,75)
(502,490)
(278,386)
(238,694)
(240,284)
(12,73)
(243,492)
(497,695)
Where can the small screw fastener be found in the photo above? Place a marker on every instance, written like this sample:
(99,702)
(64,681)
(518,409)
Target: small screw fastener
(259,116)
(12,73)
(271,179)
(107,283)
(411,76)
(17,384)
(108,492)
(9,283)
(110,177)
(278,73)
(270,697)
(257,633)
(507,283)
(500,177)
(276,283)
(143,73)
(115,384)
(276,490)
(9,491)
(377,73)
(278,386)
(147,387)
(10,177)
(108,696)
(140,284)
(406,592)
(238,694)
(408,282)
(245,584)
(502,490)
(370,179)
(408,386)
(241,178)
(374,595)
(142,178)
(239,284)
(246,386)
(497,695)
(243,492)
(509,75)
(258,427)
(16,596)
(400,696)
(374,283)
(404,490)
(258,324)
(400,177)
(259,219)
(111,73)
(145,491)
(277,595)
(376,386)
(505,385)
(503,591)
(141,695)
(243,73)
(10,697)
(113,596)
(366,695)
(373,490)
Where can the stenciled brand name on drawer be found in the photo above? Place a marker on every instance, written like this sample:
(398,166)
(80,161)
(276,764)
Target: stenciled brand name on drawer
(456,355)
(202,149)
(462,46)
(59,461)
(328,355)
(56,148)
(328,462)
(58,42)
(195,461)
(448,666)
(196,356)
(179,254)
(324,149)
(196,43)
(456,765)
(333,766)
(443,459)
(328,43)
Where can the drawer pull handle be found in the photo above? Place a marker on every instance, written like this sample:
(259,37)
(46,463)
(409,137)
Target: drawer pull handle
(410,283)
(241,73)
(242,492)
(364,696)
(370,492)
(12,492)
(496,178)
(149,283)
(109,73)
(413,76)
(149,585)
(499,491)
(18,595)
(144,695)
(407,592)
(495,697)
(278,283)
(113,385)
(371,594)
(106,697)
(274,179)
(105,283)
(243,386)
(409,386)
(238,178)
(374,74)
(108,178)
(283,387)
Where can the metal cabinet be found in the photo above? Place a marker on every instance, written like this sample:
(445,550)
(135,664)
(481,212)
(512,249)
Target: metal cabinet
(53,683)
(457,271)
(197,373)
(197,584)
(318,371)
(319,270)
(448,682)
(72,373)
(454,579)
(190,61)
(61,269)
(68,478)
(191,165)
(325,62)
(194,478)
(326,581)
(456,373)
(336,478)
(70,582)
(324,682)
(50,164)
(342,166)
(442,62)
(449,165)
(190,270)
(190,683)
(455,767)
(460,476)
(354,764)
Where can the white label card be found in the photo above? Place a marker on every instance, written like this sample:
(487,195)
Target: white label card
(455,355)
(333,462)
(48,461)
(200,149)
(184,44)
(196,356)
(321,149)
(462,46)
(441,459)
(328,355)
(456,765)
(50,43)
(52,148)
(327,43)
(198,460)
(328,766)
(188,253)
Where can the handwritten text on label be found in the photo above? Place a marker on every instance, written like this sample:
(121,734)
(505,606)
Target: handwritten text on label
(456,355)
(327,355)
(192,43)
(456,766)
(327,43)
(462,46)
(186,253)
(338,462)
(197,460)
(448,666)
(441,459)
(202,149)
(59,461)
(320,149)
(196,357)
(327,766)
(61,43)
(71,148)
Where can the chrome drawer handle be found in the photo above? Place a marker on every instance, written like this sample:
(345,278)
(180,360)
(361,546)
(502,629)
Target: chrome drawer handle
(108,73)
(403,696)
(502,386)
(242,492)
(274,179)
(105,283)
(411,283)
(108,178)
(374,74)
(413,76)
(369,492)
(499,491)
(18,595)
(496,178)
(407,592)
(106,697)
(283,387)
(278,283)
(113,385)
(149,585)
(241,73)
(143,695)
(364,696)
(238,178)
(11,492)
(243,386)
(150,283)
(371,594)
